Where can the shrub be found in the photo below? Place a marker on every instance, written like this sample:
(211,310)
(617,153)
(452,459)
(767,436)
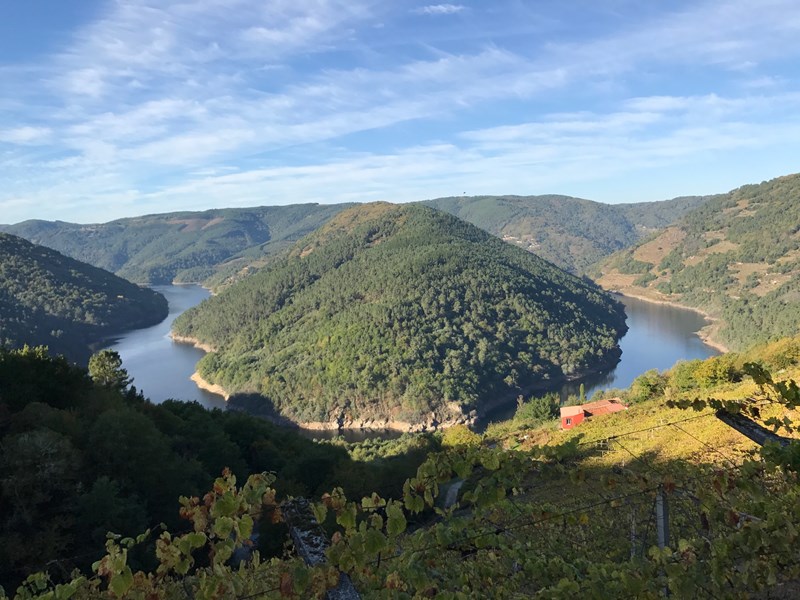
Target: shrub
(460,435)
(538,410)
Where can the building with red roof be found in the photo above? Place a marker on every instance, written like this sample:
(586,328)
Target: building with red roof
(574,415)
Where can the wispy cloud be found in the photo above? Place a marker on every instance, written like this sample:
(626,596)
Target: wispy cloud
(439,9)
(25,135)
(154,106)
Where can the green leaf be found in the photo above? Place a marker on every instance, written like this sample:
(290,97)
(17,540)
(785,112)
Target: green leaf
(223,527)
(225,506)
(347,517)
(320,512)
(374,541)
(396,519)
(121,582)
(246,527)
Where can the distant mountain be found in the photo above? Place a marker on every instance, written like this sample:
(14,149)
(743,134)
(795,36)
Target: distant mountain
(736,257)
(569,232)
(180,246)
(49,299)
(401,313)
(219,246)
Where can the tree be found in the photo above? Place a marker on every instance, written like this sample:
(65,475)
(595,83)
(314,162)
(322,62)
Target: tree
(105,369)
(538,410)
(460,435)
(648,385)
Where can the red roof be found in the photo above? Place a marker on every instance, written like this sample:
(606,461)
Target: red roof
(592,409)
(571,411)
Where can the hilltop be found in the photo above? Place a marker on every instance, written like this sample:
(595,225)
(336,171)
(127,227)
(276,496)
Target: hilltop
(569,232)
(49,299)
(401,314)
(737,257)
(186,247)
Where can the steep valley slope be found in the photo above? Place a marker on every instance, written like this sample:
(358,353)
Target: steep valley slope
(186,247)
(569,232)
(219,246)
(737,257)
(52,300)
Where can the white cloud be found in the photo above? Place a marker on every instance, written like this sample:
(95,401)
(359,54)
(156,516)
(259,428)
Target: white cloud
(439,9)
(26,135)
(151,99)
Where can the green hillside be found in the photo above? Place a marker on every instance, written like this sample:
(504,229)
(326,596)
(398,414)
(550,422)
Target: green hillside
(215,246)
(49,299)
(182,246)
(524,511)
(402,313)
(569,232)
(79,459)
(736,257)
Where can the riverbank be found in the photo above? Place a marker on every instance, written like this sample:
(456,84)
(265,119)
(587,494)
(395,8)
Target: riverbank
(474,418)
(339,424)
(209,387)
(183,339)
(706,334)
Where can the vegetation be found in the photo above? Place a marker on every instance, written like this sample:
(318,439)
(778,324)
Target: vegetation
(49,299)
(736,257)
(562,515)
(79,458)
(216,246)
(398,312)
(184,247)
(569,232)
(537,410)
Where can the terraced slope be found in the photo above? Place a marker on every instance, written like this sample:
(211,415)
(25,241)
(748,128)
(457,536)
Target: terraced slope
(737,257)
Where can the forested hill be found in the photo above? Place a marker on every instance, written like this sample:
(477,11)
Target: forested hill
(213,246)
(180,246)
(49,299)
(736,257)
(398,312)
(569,232)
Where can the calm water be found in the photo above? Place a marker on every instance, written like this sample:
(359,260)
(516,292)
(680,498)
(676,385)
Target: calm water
(161,368)
(658,336)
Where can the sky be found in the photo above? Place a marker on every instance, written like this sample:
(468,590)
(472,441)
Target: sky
(116,108)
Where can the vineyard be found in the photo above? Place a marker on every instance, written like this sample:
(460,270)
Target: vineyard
(595,516)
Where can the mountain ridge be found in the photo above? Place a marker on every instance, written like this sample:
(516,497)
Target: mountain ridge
(220,245)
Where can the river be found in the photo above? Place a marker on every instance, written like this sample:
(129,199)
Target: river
(160,367)
(658,336)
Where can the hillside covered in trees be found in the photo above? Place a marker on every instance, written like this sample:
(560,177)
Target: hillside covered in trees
(49,299)
(401,313)
(736,257)
(183,246)
(569,232)
(525,510)
(79,458)
(217,246)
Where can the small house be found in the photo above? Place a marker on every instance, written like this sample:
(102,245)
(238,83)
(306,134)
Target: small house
(574,415)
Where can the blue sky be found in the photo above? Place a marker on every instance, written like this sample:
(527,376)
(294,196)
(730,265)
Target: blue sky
(121,108)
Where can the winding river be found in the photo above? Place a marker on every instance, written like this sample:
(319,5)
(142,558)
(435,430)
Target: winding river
(160,367)
(658,336)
